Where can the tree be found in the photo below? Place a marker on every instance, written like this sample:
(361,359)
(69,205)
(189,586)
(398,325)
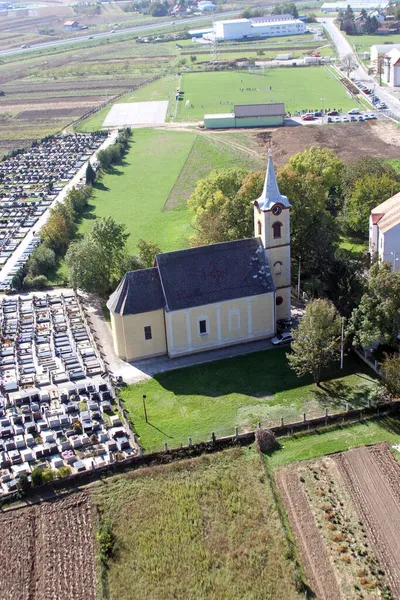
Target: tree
(193,58)
(95,261)
(347,21)
(90,174)
(147,253)
(131,263)
(316,341)
(159,9)
(363,167)
(41,261)
(377,318)
(342,280)
(23,483)
(390,370)
(84,260)
(349,63)
(367,193)
(110,237)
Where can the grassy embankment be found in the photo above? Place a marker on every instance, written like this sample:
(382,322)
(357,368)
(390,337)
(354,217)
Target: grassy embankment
(196,401)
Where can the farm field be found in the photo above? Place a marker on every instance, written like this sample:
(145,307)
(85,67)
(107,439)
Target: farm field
(345,513)
(149,196)
(189,529)
(48,551)
(216,397)
(298,88)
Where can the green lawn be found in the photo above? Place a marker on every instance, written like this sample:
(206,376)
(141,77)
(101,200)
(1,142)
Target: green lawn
(201,529)
(363,43)
(135,192)
(355,246)
(313,445)
(149,190)
(240,391)
(298,88)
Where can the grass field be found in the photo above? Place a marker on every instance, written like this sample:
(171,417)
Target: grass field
(197,401)
(206,528)
(313,445)
(148,191)
(298,88)
(354,246)
(363,43)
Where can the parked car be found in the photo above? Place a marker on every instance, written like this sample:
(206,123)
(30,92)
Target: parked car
(282,338)
(330,119)
(382,105)
(318,113)
(354,111)
(90,37)
(353,118)
(361,118)
(307,118)
(345,119)
(333,113)
(337,120)
(371,116)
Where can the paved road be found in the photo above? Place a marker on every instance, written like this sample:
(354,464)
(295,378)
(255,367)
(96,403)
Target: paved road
(343,47)
(106,34)
(5,271)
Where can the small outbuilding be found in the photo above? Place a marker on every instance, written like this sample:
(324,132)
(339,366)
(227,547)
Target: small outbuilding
(248,115)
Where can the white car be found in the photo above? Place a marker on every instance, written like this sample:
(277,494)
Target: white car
(345,119)
(354,111)
(282,338)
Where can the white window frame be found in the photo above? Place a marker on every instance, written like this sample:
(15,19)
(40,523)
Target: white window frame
(234,312)
(207,320)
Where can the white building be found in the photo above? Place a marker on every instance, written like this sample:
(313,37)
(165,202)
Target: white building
(260,27)
(357,5)
(391,68)
(380,50)
(384,231)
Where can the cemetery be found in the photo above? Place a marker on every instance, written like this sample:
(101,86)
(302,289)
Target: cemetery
(31,180)
(56,403)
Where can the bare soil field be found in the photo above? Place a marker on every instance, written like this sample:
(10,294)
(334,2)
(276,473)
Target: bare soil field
(349,140)
(47,551)
(345,513)
(373,477)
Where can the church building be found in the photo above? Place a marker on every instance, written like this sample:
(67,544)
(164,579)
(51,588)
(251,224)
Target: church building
(212,296)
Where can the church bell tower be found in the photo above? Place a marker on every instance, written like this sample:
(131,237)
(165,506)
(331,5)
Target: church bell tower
(272,225)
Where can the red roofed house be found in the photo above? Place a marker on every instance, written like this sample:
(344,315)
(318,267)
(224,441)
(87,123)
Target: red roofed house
(384,231)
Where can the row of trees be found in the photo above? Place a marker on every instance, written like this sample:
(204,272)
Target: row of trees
(365,23)
(62,225)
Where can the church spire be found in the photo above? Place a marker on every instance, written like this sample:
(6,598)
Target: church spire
(271,194)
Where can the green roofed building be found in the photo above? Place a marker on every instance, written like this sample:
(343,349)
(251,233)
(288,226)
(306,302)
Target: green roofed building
(248,115)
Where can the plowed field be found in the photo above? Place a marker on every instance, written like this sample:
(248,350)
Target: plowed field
(373,479)
(47,552)
(345,513)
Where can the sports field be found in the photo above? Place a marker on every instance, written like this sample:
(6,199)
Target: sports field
(299,88)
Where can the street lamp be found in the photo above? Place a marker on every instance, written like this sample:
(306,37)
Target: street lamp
(144,408)
(322,100)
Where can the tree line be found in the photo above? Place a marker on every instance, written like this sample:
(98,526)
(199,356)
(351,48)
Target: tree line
(62,226)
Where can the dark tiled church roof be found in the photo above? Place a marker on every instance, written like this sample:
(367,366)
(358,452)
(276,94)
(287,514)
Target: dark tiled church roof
(215,273)
(138,292)
(195,277)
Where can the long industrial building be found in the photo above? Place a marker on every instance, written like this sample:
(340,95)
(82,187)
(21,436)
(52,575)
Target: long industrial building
(259,27)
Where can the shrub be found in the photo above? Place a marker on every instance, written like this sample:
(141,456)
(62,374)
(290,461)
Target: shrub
(106,540)
(337,537)
(41,475)
(64,472)
(265,440)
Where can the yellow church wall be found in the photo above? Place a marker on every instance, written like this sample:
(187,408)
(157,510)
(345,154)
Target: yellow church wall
(227,323)
(129,336)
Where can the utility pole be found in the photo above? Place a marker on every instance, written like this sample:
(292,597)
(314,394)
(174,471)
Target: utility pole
(298,280)
(342,345)
(144,408)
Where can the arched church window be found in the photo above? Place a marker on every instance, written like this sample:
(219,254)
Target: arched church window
(259,228)
(278,267)
(276,228)
(279,300)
